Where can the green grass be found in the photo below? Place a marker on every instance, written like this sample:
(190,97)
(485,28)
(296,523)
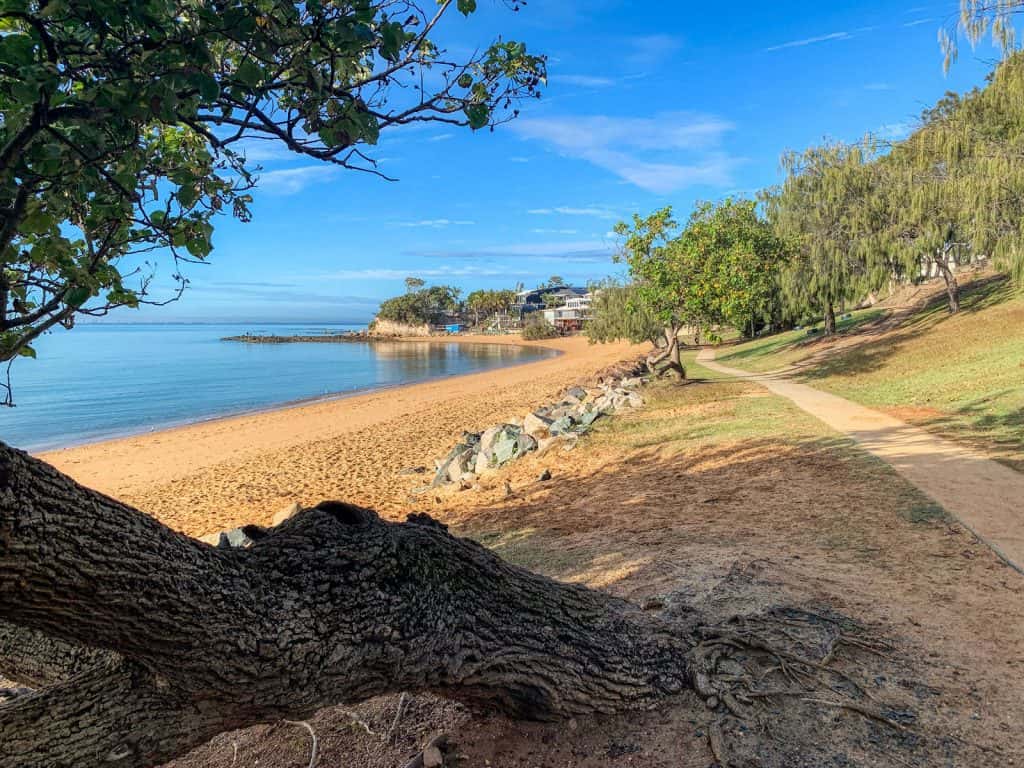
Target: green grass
(783,349)
(713,409)
(961,376)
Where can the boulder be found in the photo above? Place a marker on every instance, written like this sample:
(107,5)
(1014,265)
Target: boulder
(527,443)
(630,382)
(235,538)
(482,463)
(577,392)
(634,400)
(560,425)
(454,464)
(536,424)
(287,513)
(460,464)
(559,411)
(506,447)
(488,437)
(213,539)
(589,417)
(544,476)
(546,444)
(568,440)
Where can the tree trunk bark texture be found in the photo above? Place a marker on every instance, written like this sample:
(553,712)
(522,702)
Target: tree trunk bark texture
(952,287)
(830,319)
(183,640)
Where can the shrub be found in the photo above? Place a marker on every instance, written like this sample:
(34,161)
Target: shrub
(536,327)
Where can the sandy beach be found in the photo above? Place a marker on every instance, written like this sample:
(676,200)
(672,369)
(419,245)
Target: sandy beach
(219,474)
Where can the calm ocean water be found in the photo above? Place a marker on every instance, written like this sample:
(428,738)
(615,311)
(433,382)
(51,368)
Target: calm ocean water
(106,380)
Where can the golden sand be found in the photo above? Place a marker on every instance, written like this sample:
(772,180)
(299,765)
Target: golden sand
(219,474)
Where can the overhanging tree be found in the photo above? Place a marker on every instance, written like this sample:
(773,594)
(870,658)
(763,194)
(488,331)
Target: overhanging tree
(125,126)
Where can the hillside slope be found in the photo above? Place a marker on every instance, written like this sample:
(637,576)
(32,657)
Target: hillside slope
(961,376)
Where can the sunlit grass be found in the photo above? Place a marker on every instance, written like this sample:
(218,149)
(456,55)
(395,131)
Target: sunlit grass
(961,376)
(783,349)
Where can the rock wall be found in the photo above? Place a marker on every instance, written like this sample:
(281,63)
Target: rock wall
(390,328)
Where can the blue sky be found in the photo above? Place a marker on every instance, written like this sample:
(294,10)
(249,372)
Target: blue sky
(648,104)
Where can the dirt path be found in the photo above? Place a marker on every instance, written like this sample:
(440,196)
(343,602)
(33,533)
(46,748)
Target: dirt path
(984,495)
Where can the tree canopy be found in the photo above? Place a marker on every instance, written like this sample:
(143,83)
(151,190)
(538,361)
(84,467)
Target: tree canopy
(618,313)
(420,306)
(125,126)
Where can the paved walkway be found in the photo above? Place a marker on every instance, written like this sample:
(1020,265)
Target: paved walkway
(984,495)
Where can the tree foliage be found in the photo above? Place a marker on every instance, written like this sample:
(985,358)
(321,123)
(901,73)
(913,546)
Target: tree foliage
(487,303)
(125,126)
(981,18)
(719,269)
(816,210)
(537,327)
(429,305)
(618,313)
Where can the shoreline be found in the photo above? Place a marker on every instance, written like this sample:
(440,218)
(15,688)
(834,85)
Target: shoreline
(215,474)
(45,451)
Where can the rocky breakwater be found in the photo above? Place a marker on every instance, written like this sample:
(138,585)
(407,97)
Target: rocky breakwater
(558,424)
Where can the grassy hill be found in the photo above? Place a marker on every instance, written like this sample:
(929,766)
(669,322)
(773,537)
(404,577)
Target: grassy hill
(961,376)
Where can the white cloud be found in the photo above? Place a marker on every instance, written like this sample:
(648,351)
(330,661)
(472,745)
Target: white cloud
(649,51)
(435,223)
(289,181)
(811,41)
(565,210)
(641,150)
(442,137)
(584,81)
(554,231)
(919,22)
(519,159)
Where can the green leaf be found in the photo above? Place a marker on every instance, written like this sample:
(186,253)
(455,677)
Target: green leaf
(392,35)
(479,115)
(187,196)
(249,72)
(27,352)
(467,7)
(209,88)
(76,297)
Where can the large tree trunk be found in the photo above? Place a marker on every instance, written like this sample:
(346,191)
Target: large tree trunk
(333,606)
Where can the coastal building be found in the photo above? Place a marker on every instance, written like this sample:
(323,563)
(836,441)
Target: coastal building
(572,313)
(538,299)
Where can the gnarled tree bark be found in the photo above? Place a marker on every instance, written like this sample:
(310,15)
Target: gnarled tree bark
(333,606)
